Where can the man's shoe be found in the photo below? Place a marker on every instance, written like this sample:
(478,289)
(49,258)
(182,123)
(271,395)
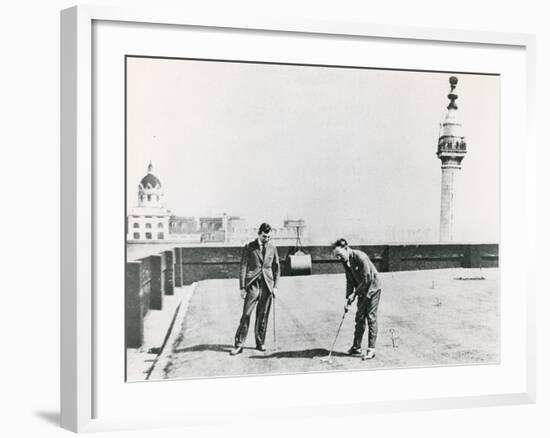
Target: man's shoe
(370,354)
(354,351)
(236,350)
(261,348)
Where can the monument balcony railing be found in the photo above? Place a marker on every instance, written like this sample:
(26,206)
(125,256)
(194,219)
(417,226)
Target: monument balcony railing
(452,147)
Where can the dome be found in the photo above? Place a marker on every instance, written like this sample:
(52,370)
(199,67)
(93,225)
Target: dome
(150,179)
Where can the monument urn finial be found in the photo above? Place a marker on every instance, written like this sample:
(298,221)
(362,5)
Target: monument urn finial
(453,80)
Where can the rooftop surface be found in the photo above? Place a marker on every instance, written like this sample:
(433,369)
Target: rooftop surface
(426,318)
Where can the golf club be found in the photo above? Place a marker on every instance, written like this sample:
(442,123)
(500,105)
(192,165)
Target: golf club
(328,359)
(274,329)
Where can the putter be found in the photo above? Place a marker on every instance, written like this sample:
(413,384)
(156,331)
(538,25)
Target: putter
(328,359)
(274,330)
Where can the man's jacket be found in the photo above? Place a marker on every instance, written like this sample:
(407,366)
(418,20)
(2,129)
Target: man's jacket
(254,265)
(361,275)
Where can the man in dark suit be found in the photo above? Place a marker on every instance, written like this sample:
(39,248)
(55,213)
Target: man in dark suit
(259,275)
(362,281)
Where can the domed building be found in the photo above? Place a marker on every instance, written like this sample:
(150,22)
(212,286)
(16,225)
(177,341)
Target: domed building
(149,220)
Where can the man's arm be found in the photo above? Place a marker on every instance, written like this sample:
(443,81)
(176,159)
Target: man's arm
(349,285)
(350,292)
(243,267)
(364,274)
(276,268)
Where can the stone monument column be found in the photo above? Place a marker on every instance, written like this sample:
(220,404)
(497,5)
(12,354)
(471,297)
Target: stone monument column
(451,150)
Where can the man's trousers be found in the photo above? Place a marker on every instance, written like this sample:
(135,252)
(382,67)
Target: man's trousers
(257,295)
(367,310)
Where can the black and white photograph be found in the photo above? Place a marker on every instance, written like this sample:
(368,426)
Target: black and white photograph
(288,219)
(294,218)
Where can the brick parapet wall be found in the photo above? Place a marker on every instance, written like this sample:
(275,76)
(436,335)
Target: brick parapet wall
(223,262)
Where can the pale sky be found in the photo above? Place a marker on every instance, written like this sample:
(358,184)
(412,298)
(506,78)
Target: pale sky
(344,149)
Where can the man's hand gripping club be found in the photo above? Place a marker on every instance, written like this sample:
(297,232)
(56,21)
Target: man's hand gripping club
(349,302)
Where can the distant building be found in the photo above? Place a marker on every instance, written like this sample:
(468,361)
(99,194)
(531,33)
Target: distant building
(237,230)
(234,229)
(288,234)
(383,235)
(183,225)
(212,229)
(210,224)
(184,229)
(292,231)
(149,220)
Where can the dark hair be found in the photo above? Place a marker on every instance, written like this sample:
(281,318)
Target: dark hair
(340,243)
(264,228)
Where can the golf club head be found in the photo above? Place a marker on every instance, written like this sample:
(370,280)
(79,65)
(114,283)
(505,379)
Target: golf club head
(327,359)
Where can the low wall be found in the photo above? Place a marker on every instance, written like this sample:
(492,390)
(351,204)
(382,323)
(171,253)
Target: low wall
(148,280)
(223,262)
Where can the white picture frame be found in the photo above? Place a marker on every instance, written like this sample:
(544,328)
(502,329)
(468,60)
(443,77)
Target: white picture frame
(81,370)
